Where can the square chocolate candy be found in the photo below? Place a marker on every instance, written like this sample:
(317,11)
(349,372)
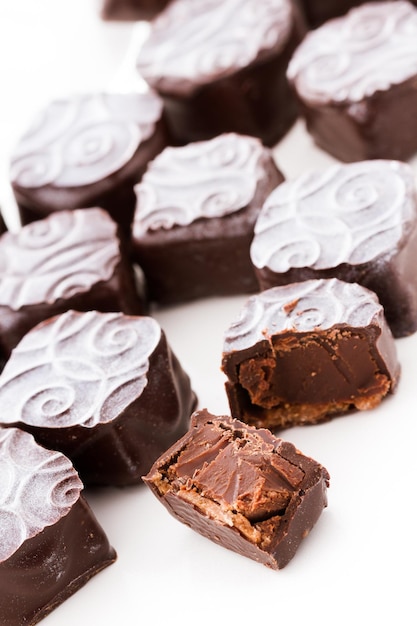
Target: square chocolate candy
(69,260)
(195,214)
(241,487)
(355,81)
(356,222)
(50,541)
(220,66)
(103,388)
(87,150)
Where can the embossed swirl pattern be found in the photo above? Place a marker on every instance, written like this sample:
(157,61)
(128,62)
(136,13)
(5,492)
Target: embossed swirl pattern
(82,140)
(37,488)
(301,307)
(371,49)
(80,369)
(349,214)
(194,40)
(201,180)
(57,257)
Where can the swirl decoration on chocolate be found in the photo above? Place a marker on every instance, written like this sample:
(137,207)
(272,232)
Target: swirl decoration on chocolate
(350,213)
(204,179)
(194,41)
(78,369)
(82,140)
(350,58)
(37,488)
(302,307)
(57,257)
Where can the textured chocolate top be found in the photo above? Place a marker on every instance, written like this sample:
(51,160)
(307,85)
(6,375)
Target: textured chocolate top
(350,213)
(201,180)
(57,257)
(78,369)
(196,41)
(350,58)
(37,488)
(307,306)
(83,139)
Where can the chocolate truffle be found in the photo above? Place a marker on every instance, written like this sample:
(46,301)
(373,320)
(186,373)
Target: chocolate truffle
(355,80)
(195,205)
(87,150)
(356,222)
(301,353)
(50,541)
(220,67)
(132,10)
(241,487)
(103,388)
(69,260)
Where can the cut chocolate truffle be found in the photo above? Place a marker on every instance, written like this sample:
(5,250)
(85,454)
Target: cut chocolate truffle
(301,353)
(241,487)
(69,260)
(103,388)
(220,66)
(356,222)
(195,205)
(85,151)
(50,541)
(355,80)
(132,10)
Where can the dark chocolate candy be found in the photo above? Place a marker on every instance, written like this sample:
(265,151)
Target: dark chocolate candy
(301,353)
(241,487)
(194,205)
(69,260)
(220,66)
(85,151)
(357,222)
(355,80)
(50,541)
(103,388)
(132,10)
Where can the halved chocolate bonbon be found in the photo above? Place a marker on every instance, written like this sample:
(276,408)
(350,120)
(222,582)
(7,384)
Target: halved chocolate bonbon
(241,487)
(304,352)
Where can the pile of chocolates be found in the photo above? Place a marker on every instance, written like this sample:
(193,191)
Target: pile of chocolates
(132,202)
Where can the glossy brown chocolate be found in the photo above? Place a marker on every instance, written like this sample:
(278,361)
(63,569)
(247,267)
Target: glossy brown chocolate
(104,389)
(241,487)
(69,260)
(305,352)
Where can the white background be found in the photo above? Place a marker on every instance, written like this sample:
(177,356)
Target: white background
(358,564)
